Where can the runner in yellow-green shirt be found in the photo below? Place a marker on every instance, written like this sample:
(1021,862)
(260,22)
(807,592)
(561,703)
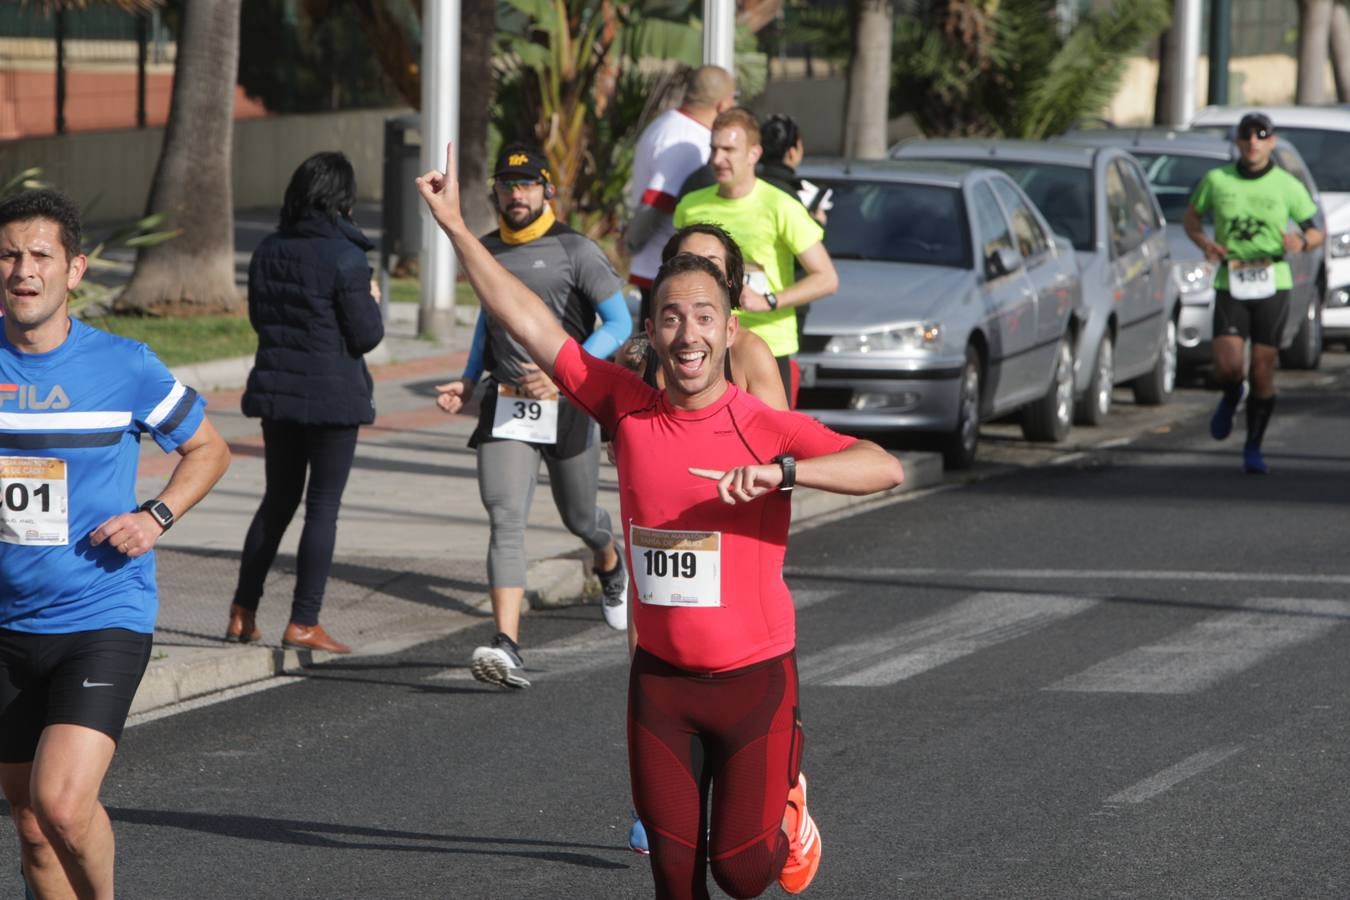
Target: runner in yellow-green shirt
(1253,201)
(773,230)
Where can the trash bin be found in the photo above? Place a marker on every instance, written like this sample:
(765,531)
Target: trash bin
(402,226)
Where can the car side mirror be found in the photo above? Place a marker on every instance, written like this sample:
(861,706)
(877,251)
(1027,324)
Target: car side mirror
(1003,261)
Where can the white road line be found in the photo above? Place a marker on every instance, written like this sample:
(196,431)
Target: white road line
(1172,776)
(801,599)
(1222,645)
(880,574)
(596,648)
(975,623)
(211,699)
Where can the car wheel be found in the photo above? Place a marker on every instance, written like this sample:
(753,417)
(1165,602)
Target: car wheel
(1306,350)
(958,447)
(1095,403)
(1051,417)
(1155,387)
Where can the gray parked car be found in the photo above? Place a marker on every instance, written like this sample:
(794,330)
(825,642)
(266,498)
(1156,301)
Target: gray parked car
(1098,198)
(1174,162)
(955,304)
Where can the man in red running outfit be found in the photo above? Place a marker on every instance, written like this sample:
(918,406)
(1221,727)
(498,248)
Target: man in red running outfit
(705,472)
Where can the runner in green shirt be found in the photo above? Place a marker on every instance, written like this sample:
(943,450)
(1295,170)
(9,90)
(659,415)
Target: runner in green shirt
(773,230)
(1253,202)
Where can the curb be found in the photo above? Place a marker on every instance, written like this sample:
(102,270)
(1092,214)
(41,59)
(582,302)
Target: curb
(177,674)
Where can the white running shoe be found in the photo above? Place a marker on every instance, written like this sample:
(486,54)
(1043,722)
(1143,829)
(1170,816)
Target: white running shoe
(499,663)
(614,596)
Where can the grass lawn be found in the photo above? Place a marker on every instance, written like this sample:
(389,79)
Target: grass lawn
(409,290)
(191,340)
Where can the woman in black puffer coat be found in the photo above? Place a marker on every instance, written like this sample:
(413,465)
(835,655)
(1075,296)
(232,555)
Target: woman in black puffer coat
(316,311)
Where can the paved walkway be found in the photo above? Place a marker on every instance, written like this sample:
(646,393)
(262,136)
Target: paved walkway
(412,537)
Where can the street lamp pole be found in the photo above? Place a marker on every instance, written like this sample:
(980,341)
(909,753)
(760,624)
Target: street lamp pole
(440,125)
(1183,51)
(719,34)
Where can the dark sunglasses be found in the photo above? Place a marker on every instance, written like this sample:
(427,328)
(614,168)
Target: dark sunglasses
(1248,133)
(511,184)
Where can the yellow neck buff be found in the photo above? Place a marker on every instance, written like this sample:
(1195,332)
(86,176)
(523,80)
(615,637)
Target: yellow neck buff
(530,232)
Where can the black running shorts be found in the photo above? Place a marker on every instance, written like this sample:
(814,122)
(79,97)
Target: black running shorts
(84,678)
(1261,320)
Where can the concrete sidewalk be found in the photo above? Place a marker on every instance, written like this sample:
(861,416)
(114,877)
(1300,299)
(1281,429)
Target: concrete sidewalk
(412,538)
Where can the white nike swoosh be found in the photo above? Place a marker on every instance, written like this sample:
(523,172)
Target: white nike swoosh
(88,683)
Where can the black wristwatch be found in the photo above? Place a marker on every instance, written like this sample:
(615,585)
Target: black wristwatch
(789,466)
(160,512)
(771,298)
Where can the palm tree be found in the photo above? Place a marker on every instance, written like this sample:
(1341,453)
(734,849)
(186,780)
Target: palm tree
(1004,68)
(1314,25)
(194,274)
(869,79)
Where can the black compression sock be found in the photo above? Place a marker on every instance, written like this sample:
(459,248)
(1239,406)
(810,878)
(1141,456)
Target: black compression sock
(1232,394)
(1258,417)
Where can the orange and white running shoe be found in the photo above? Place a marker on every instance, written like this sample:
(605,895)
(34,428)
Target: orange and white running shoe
(803,842)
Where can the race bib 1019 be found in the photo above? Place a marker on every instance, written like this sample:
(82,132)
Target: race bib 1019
(677,568)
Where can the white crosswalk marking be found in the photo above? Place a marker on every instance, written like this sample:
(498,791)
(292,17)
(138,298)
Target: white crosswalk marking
(1209,651)
(978,622)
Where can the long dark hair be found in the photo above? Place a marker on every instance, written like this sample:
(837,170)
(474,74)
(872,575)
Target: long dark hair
(735,274)
(325,184)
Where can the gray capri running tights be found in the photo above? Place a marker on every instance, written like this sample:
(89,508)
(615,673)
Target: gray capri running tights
(507,474)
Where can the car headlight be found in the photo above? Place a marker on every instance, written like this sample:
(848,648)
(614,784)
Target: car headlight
(1195,277)
(1338,245)
(918,336)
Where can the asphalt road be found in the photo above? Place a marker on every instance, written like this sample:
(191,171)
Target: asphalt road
(1118,674)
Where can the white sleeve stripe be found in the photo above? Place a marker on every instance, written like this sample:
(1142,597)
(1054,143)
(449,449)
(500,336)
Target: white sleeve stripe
(167,405)
(64,421)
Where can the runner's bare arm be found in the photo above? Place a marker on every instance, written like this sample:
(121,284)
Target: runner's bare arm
(861,468)
(1195,230)
(205,457)
(752,356)
(517,307)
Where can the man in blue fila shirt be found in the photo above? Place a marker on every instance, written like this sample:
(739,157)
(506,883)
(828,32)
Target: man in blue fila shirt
(77,572)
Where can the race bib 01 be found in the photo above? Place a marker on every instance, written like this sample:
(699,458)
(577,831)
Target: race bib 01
(33,505)
(520,418)
(676,568)
(1251,280)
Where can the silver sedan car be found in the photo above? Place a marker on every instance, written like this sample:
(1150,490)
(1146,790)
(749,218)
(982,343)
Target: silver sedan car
(956,303)
(1099,199)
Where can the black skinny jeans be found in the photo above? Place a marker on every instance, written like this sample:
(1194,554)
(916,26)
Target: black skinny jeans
(289,449)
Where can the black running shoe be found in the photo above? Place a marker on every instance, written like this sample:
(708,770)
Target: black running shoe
(499,663)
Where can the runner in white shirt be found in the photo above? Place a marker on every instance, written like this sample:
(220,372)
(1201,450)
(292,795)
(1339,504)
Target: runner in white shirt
(671,148)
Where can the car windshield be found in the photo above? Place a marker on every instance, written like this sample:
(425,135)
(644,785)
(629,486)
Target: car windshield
(1173,178)
(1062,193)
(897,222)
(1324,153)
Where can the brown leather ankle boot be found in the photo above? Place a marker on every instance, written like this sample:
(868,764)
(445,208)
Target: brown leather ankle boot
(243,627)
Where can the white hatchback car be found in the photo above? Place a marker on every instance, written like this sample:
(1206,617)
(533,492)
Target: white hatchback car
(1322,136)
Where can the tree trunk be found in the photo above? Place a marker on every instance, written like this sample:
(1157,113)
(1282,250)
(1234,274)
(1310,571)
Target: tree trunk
(1340,50)
(1314,22)
(869,79)
(193,274)
(478,26)
(1162,97)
